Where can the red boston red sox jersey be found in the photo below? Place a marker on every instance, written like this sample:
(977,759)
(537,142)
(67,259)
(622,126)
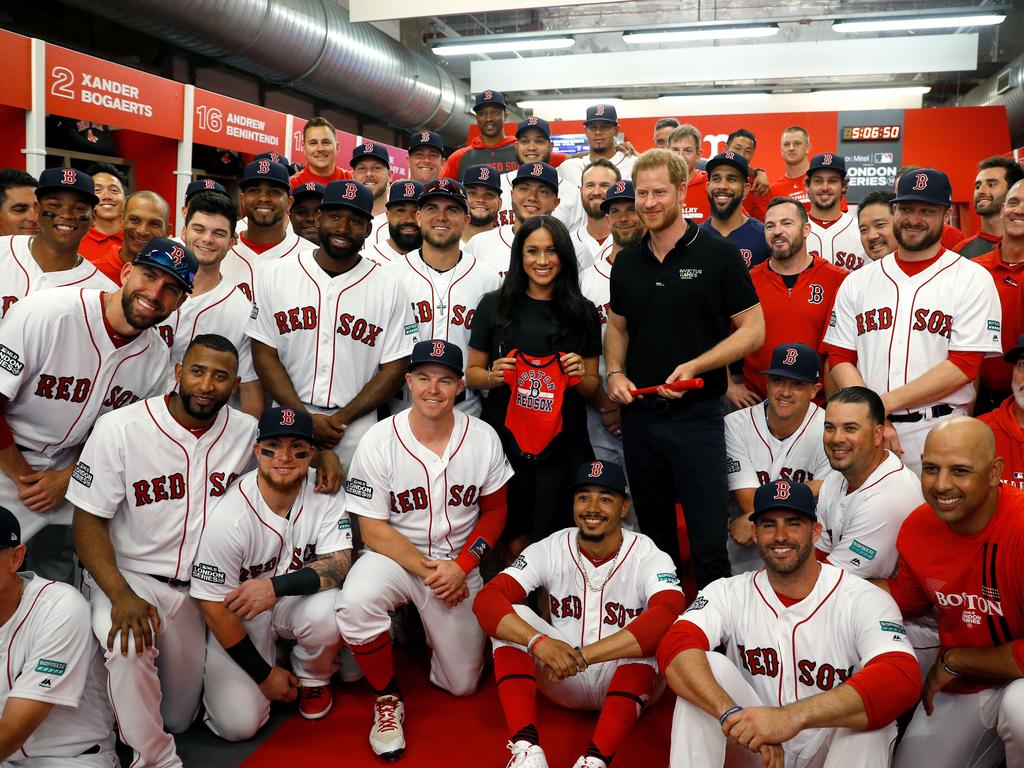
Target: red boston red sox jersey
(534,415)
(609,596)
(242,262)
(60,370)
(754,456)
(245,539)
(838,242)
(331,333)
(434,501)
(156,481)
(20,273)
(901,326)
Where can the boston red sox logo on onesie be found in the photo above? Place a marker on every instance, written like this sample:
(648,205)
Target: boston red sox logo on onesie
(782,488)
(438,349)
(920,182)
(68,176)
(287,417)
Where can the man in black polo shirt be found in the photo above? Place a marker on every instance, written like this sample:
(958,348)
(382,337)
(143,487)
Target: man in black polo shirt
(676,296)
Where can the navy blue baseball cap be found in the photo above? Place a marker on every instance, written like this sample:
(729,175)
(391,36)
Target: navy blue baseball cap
(59,179)
(601,113)
(925,185)
(426,139)
(539,123)
(827,161)
(730,158)
(10,529)
(795,361)
(1013,354)
(784,494)
(203,185)
(173,258)
(370,149)
(489,99)
(445,187)
(274,157)
(405,191)
(620,190)
(602,473)
(537,172)
(348,194)
(308,189)
(284,422)
(483,175)
(266,170)
(437,352)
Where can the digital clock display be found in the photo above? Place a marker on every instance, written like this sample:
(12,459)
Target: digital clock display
(872,132)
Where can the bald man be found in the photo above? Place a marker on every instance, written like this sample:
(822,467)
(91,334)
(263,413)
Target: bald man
(146,215)
(962,553)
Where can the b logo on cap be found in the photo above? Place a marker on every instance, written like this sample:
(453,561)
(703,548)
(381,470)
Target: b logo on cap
(488,95)
(177,255)
(408,189)
(531,120)
(538,169)
(791,355)
(368,147)
(311,186)
(596,469)
(438,350)
(485,173)
(920,182)
(599,110)
(275,157)
(730,155)
(263,168)
(826,160)
(208,183)
(442,183)
(781,490)
(620,187)
(68,176)
(425,137)
(287,417)
(350,192)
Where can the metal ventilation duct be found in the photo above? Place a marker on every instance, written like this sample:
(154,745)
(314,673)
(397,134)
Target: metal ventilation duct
(311,46)
(1006,87)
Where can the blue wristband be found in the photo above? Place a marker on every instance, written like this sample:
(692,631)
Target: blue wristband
(731,711)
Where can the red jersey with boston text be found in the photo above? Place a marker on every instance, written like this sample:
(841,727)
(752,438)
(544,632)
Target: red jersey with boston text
(538,384)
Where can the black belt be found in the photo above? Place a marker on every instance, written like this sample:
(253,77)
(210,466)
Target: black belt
(169,581)
(937,412)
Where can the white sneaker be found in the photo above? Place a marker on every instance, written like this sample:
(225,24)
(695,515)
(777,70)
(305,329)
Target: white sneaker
(589,762)
(526,755)
(386,736)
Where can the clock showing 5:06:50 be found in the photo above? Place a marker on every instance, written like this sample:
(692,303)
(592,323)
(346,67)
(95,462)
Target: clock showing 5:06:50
(872,132)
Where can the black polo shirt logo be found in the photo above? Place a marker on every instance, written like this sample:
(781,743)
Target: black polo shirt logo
(690,274)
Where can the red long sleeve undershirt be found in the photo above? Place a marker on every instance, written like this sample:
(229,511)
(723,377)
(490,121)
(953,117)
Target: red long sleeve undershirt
(968,362)
(490,524)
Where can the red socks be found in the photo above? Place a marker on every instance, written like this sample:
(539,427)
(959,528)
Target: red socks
(517,687)
(628,692)
(374,658)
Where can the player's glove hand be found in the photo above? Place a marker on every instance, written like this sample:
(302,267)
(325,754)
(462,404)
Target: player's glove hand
(739,396)
(281,685)
(42,491)
(742,531)
(756,727)
(446,578)
(937,679)
(251,598)
(131,615)
(560,659)
(325,431)
(329,472)
(761,184)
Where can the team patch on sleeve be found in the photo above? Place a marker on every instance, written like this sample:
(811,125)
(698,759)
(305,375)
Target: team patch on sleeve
(359,488)
(255,312)
(863,550)
(894,629)
(82,473)
(411,329)
(993,325)
(10,361)
(344,524)
(480,548)
(51,667)
(731,465)
(208,573)
(668,578)
(832,319)
(519,563)
(699,602)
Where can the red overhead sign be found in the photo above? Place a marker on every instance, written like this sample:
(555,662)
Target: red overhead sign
(16,84)
(220,121)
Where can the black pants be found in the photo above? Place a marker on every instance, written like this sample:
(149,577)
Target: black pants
(675,451)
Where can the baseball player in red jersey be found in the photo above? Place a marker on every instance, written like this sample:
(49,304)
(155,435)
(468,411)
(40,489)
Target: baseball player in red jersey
(50,258)
(492,147)
(1007,419)
(612,594)
(816,668)
(685,141)
(834,236)
(146,215)
(995,177)
(428,485)
(961,553)
(795,146)
(320,145)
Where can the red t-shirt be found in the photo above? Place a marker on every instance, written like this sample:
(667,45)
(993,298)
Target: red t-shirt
(534,415)
(95,244)
(340,174)
(951,236)
(697,205)
(1009,279)
(785,186)
(108,262)
(1009,440)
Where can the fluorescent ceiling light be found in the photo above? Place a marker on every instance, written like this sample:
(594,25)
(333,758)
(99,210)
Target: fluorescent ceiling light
(706,98)
(901,24)
(896,90)
(720,32)
(503,46)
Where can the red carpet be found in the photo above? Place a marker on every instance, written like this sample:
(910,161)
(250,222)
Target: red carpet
(442,730)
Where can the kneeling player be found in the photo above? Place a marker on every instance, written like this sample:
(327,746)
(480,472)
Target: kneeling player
(268,565)
(817,664)
(613,595)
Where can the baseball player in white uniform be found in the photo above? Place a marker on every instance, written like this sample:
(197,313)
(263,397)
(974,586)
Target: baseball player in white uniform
(835,236)
(915,325)
(612,595)
(50,258)
(55,708)
(332,331)
(403,233)
(266,197)
(779,439)
(268,566)
(601,126)
(428,485)
(794,633)
(443,284)
(598,178)
(54,390)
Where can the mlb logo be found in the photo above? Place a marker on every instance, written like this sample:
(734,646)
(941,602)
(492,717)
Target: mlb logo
(1018,475)
(884,157)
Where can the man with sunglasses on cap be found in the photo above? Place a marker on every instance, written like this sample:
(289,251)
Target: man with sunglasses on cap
(403,231)
(55,708)
(332,331)
(597,650)
(269,562)
(429,487)
(817,665)
(50,258)
(67,356)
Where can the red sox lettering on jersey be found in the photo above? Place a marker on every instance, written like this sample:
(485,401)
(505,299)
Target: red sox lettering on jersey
(837,242)
(305,319)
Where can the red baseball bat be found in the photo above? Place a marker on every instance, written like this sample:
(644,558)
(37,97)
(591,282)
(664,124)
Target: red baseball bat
(675,386)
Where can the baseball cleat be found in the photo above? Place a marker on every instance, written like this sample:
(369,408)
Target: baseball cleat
(315,702)
(386,736)
(526,755)
(586,761)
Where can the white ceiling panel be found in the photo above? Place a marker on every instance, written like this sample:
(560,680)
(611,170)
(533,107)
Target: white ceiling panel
(378,10)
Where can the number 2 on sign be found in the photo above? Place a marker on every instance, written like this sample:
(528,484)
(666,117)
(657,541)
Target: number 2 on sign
(63,80)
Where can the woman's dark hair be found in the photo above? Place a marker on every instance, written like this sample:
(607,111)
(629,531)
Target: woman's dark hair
(572,312)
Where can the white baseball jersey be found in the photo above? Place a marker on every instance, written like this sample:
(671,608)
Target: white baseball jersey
(331,333)
(859,527)
(619,589)
(48,650)
(60,370)
(156,481)
(595,284)
(788,654)
(379,231)
(569,210)
(571,170)
(588,250)
(434,501)
(245,539)
(20,273)
(242,262)
(493,248)
(838,243)
(225,311)
(381,253)
(902,326)
(754,456)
